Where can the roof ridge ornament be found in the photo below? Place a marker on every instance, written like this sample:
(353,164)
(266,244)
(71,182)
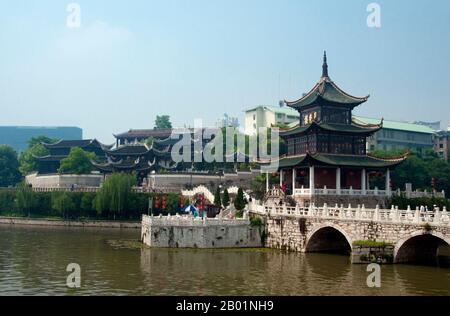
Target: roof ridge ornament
(325,66)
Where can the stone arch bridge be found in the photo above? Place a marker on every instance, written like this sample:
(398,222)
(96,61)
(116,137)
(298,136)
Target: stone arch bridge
(413,236)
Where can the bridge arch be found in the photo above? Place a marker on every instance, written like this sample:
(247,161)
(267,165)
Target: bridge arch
(420,247)
(328,238)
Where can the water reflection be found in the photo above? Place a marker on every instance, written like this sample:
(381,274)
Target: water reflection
(33,261)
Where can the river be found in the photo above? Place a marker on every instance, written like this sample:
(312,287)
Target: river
(33,261)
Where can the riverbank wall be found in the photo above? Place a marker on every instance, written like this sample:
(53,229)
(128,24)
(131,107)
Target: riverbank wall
(207,233)
(64,223)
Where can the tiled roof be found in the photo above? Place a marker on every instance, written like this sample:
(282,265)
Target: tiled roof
(348,128)
(340,160)
(145,133)
(397,125)
(327,90)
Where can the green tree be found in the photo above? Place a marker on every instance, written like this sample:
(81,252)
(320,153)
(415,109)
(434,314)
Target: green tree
(239,202)
(27,159)
(9,166)
(25,199)
(87,203)
(226,198)
(62,203)
(162,122)
(78,162)
(114,194)
(217,199)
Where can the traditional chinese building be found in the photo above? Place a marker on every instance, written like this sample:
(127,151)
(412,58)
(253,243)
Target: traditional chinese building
(326,157)
(58,151)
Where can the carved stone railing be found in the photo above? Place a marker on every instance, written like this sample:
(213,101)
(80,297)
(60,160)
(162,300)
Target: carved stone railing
(190,221)
(346,192)
(360,213)
(85,189)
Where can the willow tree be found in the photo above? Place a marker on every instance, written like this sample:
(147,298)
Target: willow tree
(25,198)
(114,193)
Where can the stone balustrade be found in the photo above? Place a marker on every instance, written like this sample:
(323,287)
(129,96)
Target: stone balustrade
(360,213)
(84,189)
(190,221)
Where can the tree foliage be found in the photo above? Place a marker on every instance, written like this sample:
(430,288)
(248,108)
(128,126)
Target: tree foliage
(62,203)
(239,202)
(226,198)
(162,122)
(77,162)
(418,169)
(217,198)
(9,166)
(114,193)
(25,198)
(27,159)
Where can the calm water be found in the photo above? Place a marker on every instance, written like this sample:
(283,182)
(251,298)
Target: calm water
(33,261)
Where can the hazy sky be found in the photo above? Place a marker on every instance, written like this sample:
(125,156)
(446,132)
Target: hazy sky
(132,60)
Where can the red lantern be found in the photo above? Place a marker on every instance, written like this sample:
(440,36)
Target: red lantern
(163,203)
(303,173)
(284,187)
(182,202)
(156,202)
(202,202)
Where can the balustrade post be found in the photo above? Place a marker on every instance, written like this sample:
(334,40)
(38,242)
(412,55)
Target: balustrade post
(437,216)
(417,216)
(342,211)
(377,213)
(358,212)
(325,209)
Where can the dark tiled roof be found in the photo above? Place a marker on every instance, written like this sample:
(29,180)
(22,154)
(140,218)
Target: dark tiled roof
(76,143)
(50,158)
(125,165)
(145,133)
(327,90)
(347,128)
(129,150)
(340,160)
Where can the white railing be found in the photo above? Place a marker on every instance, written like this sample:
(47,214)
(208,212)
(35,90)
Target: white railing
(373,192)
(199,190)
(190,221)
(360,213)
(325,191)
(84,189)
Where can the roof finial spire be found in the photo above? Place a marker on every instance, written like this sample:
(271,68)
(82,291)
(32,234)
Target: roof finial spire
(325,65)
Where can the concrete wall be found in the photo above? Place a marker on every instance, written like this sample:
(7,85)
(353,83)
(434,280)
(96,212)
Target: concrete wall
(185,232)
(64,181)
(178,182)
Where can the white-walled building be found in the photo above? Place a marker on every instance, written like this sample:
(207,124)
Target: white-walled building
(267,116)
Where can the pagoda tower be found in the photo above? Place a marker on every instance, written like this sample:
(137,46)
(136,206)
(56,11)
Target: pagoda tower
(327,160)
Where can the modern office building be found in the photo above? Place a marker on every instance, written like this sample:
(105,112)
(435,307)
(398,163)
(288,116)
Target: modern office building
(397,135)
(18,136)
